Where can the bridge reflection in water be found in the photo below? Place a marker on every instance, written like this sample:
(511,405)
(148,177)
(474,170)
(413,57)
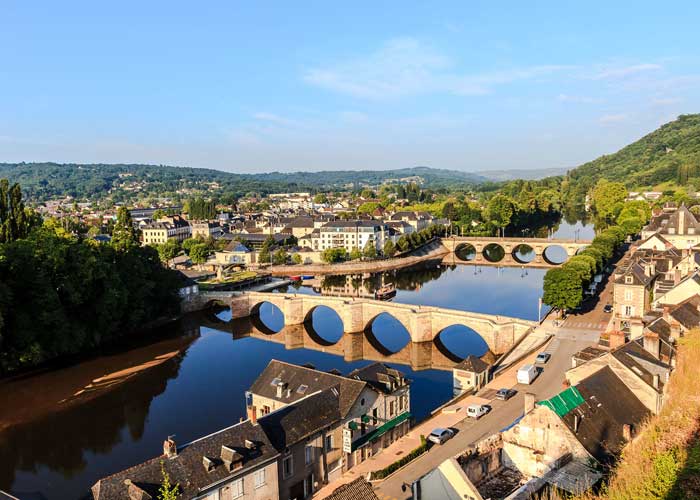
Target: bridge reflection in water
(351,346)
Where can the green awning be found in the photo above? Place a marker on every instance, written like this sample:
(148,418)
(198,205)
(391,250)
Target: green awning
(564,402)
(380,431)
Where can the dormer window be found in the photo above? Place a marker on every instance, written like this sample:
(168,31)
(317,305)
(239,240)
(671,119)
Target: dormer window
(628,280)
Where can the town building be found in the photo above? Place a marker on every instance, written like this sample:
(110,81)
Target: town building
(373,412)
(237,462)
(350,234)
(168,228)
(206,230)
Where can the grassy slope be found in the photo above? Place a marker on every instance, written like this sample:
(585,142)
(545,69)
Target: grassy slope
(663,462)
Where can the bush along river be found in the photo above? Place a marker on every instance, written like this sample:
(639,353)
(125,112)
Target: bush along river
(63,429)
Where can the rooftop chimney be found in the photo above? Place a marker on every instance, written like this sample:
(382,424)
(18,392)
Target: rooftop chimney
(169,447)
(529,402)
(652,344)
(617,339)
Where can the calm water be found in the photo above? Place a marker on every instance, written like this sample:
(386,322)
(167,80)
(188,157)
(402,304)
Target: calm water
(61,431)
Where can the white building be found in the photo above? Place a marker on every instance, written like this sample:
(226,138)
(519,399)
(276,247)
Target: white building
(350,234)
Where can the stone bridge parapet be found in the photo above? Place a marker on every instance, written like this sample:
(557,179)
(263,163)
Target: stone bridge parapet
(423,323)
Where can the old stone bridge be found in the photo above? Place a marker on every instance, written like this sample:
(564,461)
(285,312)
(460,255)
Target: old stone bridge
(508,251)
(423,323)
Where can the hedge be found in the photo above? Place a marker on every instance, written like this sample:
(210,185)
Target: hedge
(390,469)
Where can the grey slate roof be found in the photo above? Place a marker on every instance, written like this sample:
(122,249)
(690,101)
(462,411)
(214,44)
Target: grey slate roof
(608,405)
(641,362)
(378,375)
(187,467)
(294,422)
(295,376)
(473,364)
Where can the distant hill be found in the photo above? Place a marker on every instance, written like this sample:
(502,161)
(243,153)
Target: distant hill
(671,153)
(525,174)
(43,181)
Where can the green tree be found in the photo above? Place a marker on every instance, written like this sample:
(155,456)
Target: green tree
(168,250)
(608,199)
(389,248)
(355,254)
(124,235)
(562,288)
(296,258)
(166,490)
(500,210)
(15,222)
(320,198)
(158,214)
(189,243)
(280,257)
(332,255)
(199,253)
(370,250)
(264,255)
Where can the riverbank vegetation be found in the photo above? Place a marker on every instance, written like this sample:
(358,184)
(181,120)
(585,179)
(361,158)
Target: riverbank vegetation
(62,295)
(563,287)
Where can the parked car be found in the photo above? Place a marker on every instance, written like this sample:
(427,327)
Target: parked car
(440,435)
(526,374)
(505,394)
(477,411)
(542,358)
(608,308)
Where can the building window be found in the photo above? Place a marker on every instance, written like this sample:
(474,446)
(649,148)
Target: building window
(237,488)
(629,311)
(265,410)
(287,466)
(308,454)
(628,279)
(628,294)
(329,443)
(308,485)
(259,478)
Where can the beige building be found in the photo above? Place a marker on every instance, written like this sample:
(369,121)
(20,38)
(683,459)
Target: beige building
(373,412)
(470,375)
(171,227)
(632,296)
(206,230)
(678,226)
(236,253)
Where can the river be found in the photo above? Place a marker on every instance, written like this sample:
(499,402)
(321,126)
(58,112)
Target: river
(62,430)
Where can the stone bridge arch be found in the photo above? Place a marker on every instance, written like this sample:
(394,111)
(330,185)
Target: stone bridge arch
(423,323)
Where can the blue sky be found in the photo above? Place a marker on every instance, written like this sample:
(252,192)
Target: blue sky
(262,86)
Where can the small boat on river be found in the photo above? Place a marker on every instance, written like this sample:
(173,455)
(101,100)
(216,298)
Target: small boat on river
(386,292)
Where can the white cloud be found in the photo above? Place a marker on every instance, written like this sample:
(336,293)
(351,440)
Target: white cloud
(621,72)
(264,116)
(577,99)
(613,118)
(405,66)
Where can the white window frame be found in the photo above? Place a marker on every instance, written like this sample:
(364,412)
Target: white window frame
(237,490)
(259,478)
(328,442)
(629,295)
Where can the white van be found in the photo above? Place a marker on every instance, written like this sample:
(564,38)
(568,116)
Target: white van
(477,411)
(526,374)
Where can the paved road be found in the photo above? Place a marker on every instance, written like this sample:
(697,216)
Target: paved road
(503,414)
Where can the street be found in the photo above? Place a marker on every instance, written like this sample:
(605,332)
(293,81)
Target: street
(549,383)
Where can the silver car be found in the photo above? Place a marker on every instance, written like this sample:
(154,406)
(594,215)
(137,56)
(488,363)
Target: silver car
(440,435)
